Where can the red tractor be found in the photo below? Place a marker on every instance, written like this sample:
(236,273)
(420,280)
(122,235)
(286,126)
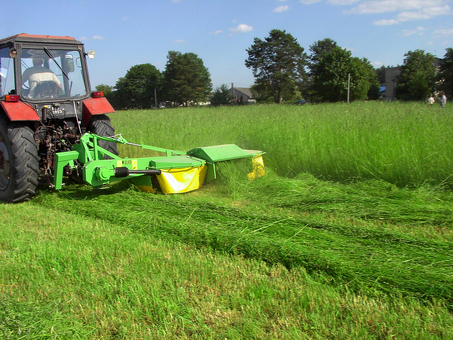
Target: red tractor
(46,105)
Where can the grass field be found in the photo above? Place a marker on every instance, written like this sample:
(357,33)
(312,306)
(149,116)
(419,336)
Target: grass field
(348,236)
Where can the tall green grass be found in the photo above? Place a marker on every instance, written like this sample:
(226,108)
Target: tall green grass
(406,144)
(325,246)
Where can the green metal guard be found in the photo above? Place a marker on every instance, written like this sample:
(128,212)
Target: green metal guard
(100,167)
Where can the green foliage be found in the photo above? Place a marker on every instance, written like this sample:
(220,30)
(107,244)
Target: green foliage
(418,75)
(221,96)
(277,63)
(380,72)
(136,89)
(106,88)
(186,79)
(330,77)
(319,49)
(445,75)
(262,93)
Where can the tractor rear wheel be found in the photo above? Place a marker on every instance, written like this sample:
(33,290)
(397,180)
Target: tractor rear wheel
(19,162)
(100,125)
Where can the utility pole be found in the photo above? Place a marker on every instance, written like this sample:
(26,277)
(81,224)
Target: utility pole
(233,93)
(349,85)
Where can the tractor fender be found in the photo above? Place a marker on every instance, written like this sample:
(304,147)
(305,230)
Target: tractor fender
(95,106)
(19,111)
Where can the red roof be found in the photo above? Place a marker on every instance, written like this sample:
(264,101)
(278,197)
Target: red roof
(26,36)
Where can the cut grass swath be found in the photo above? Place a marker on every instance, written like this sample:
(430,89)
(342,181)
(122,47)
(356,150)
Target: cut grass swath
(365,260)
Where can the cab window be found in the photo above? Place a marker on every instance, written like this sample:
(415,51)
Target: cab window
(49,73)
(7,81)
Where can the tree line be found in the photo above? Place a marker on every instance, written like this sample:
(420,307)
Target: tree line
(184,80)
(282,71)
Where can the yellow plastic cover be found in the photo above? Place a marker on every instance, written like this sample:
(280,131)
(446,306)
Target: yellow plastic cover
(258,168)
(174,181)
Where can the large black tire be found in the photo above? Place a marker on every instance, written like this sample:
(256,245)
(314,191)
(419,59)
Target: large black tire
(19,162)
(100,125)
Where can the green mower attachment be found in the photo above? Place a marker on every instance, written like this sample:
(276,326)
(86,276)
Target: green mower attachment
(176,172)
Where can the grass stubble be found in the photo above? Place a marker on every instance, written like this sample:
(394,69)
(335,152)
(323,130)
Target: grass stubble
(283,257)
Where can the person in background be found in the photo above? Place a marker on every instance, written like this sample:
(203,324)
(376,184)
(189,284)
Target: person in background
(443,100)
(430,100)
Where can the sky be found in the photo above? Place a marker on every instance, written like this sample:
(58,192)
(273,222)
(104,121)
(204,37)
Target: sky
(125,33)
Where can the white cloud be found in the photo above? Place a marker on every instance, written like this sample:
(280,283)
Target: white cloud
(407,10)
(384,6)
(444,31)
(407,16)
(342,2)
(419,30)
(280,9)
(242,28)
(385,22)
(216,32)
(94,37)
(407,33)
(179,41)
(439,10)
(309,2)
(425,13)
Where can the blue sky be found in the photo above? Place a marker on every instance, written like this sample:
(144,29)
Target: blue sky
(127,33)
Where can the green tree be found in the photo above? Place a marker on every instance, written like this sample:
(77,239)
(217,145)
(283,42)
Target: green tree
(445,75)
(374,83)
(418,75)
(186,79)
(136,89)
(262,93)
(277,62)
(107,89)
(317,50)
(330,76)
(221,96)
(380,72)
(320,48)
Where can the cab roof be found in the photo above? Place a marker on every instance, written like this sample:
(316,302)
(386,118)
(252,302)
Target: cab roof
(24,37)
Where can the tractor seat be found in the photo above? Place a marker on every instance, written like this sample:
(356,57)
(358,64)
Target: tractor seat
(45,89)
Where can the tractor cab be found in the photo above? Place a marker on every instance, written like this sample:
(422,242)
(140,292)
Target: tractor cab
(43,68)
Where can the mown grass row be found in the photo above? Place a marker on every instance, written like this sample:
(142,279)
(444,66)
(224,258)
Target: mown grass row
(370,260)
(67,275)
